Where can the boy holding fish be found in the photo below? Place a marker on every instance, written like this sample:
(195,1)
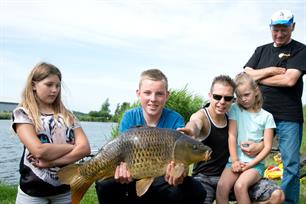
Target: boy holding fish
(153,94)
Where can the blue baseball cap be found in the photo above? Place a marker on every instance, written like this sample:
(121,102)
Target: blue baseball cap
(282,17)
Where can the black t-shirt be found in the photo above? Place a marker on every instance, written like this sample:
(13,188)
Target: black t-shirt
(283,102)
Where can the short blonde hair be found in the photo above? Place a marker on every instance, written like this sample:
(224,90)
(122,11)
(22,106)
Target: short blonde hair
(155,75)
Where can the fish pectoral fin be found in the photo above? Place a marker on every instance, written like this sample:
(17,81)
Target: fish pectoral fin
(178,170)
(143,185)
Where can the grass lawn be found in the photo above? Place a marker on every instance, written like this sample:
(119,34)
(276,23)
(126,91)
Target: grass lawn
(91,196)
(8,195)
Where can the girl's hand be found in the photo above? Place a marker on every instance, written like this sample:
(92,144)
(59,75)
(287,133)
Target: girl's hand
(246,166)
(242,165)
(236,167)
(42,164)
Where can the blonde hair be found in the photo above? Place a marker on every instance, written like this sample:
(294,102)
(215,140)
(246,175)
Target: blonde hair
(29,97)
(155,75)
(244,78)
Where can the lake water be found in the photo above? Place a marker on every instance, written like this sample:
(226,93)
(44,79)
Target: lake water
(11,149)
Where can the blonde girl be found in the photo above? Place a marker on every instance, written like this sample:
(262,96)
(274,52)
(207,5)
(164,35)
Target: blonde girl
(247,122)
(51,135)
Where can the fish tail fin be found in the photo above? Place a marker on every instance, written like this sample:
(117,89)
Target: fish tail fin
(78,184)
(78,189)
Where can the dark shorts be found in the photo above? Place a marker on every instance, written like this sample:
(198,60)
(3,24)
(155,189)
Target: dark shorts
(209,183)
(190,191)
(263,189)
(260,191)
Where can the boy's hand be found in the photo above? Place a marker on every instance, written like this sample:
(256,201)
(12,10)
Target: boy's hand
(172,180)
(186,131)
(122,174)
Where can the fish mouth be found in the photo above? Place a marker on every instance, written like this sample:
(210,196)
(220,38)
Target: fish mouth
(207,155)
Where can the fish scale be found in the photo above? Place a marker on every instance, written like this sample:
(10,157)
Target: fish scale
(150,152)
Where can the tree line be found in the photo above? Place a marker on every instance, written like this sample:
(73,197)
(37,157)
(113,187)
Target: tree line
(104,114)
(180,100)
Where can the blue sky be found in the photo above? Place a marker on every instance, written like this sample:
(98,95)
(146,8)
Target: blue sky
(101,46)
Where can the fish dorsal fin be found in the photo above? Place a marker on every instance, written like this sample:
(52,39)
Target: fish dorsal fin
(143,185)
(178,170)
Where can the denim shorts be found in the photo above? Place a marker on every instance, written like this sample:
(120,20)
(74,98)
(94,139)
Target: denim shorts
(260,168)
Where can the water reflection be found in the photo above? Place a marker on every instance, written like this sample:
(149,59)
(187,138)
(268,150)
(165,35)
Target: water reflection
(11,149)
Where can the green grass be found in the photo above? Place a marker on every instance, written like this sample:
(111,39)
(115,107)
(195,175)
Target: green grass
(8,193)
(90,196)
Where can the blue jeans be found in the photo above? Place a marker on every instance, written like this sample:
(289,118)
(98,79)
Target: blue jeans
(290,138)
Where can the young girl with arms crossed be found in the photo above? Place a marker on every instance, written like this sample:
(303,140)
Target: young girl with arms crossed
(51,135)
(247,122)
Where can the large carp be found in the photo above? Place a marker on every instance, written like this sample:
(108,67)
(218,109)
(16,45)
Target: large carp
(146,151)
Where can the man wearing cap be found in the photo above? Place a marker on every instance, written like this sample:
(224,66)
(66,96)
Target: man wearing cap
(279,68)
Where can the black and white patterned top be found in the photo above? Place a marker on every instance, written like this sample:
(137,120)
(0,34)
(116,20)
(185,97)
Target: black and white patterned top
(36,181)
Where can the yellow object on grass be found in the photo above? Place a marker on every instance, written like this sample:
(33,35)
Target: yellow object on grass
(275,172)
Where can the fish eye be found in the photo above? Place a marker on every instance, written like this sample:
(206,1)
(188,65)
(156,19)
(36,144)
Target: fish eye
(194,147)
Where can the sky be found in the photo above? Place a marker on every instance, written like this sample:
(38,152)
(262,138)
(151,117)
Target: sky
(102,46)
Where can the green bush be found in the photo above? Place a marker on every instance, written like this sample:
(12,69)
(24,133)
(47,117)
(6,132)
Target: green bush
(184,102)
(5,115)
(115,130)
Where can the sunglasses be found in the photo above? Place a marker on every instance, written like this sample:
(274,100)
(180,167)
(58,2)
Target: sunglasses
(219,97)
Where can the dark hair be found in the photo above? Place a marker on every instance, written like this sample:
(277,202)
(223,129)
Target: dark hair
(225,80)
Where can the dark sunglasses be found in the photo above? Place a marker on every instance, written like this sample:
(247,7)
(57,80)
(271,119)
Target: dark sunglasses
(219,97)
